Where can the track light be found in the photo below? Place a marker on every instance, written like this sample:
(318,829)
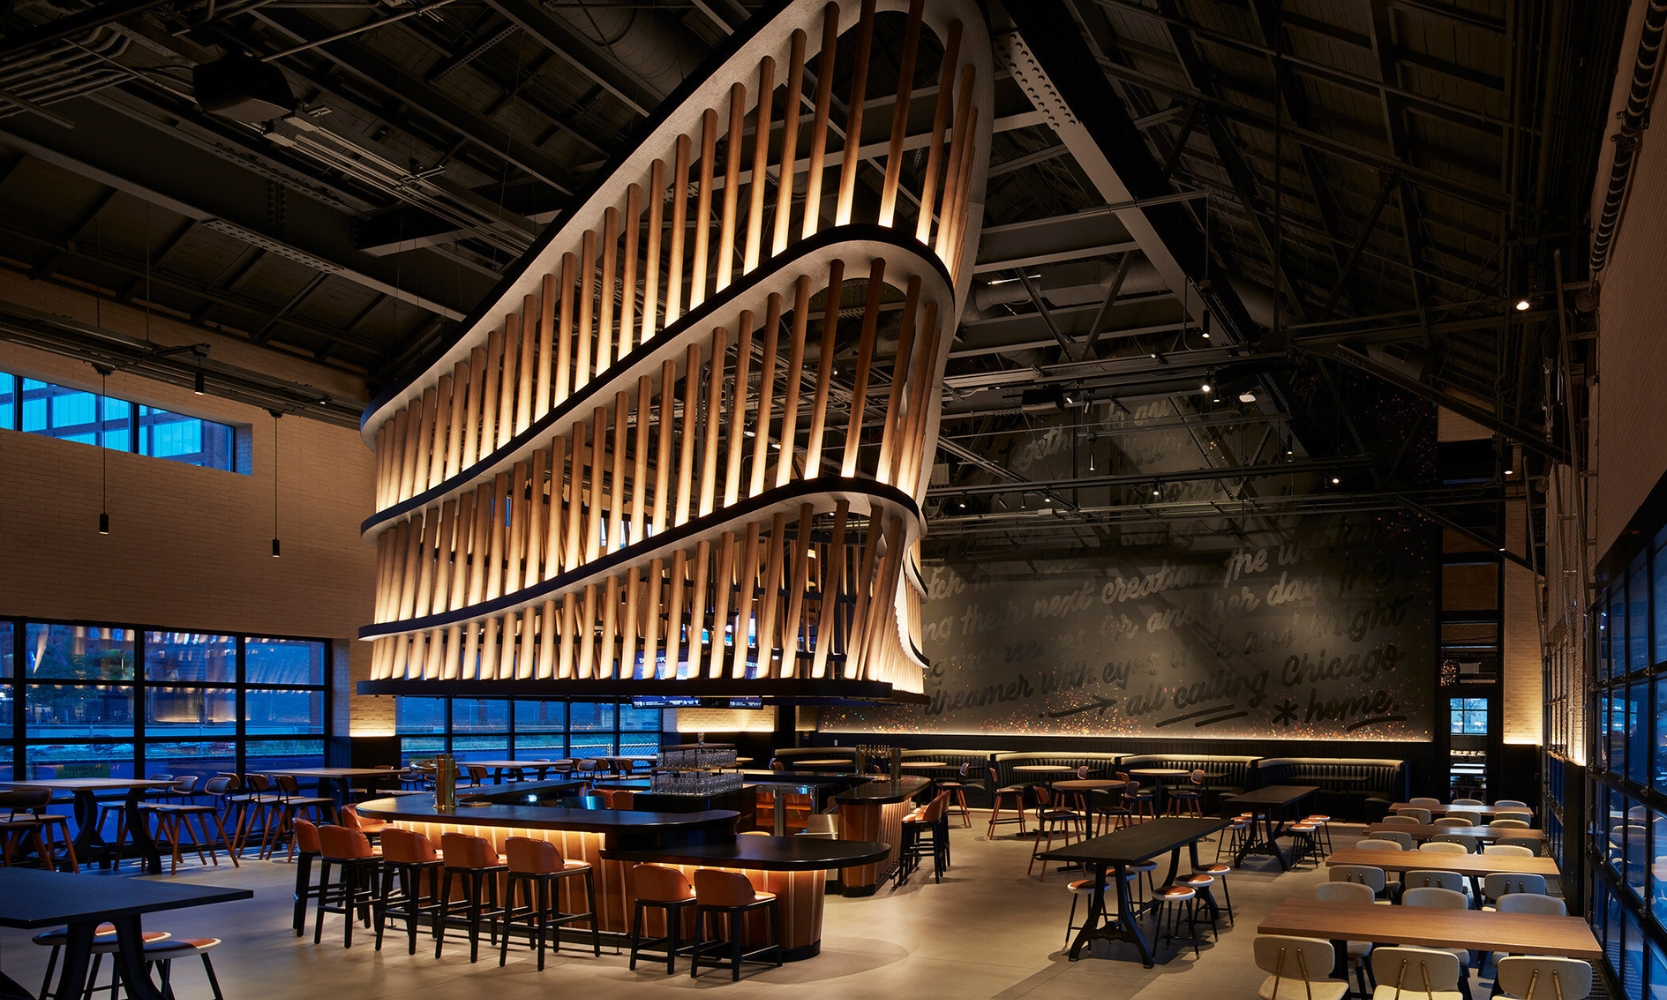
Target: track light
(1523,304)
(1206,386)
(197,382)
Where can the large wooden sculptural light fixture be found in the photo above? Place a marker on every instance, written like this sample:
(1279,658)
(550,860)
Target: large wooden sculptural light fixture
(684,448)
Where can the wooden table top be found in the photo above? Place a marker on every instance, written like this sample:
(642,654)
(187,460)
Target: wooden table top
(1480,810)
(1487,930)
(1087,784)
(340,772)
(520,763)
(90,784)
(1476,865)
(925,763)
(1137,843)
(1045,768)
(1421,831)
(1161,772)
(837,762)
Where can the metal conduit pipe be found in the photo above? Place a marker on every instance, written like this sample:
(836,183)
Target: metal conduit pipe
(1634,119)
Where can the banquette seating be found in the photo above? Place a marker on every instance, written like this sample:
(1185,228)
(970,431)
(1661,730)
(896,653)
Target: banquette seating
(1360,788)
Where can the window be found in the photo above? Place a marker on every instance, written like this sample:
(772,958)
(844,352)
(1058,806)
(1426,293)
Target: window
(37,407)
(1638,621)
(114,701)
(1469,716)
(526,728)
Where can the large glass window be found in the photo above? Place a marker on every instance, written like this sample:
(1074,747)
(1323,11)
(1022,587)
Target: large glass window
(1638,621)
(37,407)
(115,701)
(1469,716)
(527,728)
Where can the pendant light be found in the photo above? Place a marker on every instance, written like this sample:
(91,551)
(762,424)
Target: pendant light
(275,416)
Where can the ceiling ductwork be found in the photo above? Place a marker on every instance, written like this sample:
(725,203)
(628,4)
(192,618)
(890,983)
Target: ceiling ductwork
(659,50)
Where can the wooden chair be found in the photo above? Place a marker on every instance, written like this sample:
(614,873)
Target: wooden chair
(1050,818)
(1544,978)
(1012,795)
(1416,972)
(1292,964)
(958,793)
(1348,891)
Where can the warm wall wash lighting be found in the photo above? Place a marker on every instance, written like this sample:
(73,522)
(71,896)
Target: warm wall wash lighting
(644,455)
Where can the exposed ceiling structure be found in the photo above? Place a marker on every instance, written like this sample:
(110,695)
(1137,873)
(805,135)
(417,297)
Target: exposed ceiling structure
(1326,212)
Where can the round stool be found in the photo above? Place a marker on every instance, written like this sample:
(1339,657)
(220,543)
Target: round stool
(104,942)
(1219,872)
(1200,883)
(1233,838)
(1082,888)
(1138,869)
(1323,837)
(163,953)
(1171,898)
(1304,834)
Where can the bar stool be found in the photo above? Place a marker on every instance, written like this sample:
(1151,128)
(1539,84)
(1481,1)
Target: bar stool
(733,895)
(349,851)
(1235,836)
(164,953)
(349,817)
(1048,819)
(476,864)
(1303,837)
(668,890)
(925,832)
(1322,837)
(410,857)
(1200,883)
(999,794)
(1083,889)
(536,866)
(253,802)
(104,942)
(50,827)
(1170,900)
(1142,877)
(958,794)
(308,848)
(1219,872)
(290,805)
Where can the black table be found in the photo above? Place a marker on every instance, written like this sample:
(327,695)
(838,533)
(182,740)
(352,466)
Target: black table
(1265,828)
(1121,849)
(31,898)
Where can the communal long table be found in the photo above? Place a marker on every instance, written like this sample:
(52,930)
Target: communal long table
(1120,849)
(612,840)
(32,899)
(1420,831)
(1484,930)
(1470,865)
(1440,810)
(1266,829)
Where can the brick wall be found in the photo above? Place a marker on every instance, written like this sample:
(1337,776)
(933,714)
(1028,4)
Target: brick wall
(190,548)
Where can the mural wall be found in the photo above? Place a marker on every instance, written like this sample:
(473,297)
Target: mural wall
(1328,634)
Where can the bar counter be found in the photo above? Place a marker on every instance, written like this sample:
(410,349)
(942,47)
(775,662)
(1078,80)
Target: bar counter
(874,811)
(794,868)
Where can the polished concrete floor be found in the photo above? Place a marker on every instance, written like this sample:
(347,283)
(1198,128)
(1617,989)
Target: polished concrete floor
(987,931)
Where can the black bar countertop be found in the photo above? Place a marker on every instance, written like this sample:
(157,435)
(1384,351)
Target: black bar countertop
(537,817)
(883,790)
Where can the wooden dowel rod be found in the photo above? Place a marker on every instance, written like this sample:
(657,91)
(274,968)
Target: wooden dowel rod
(738,410)
(732,184)
(546,363)
(616,476)
(507,382)
(723,586)
(766,100)
(828,591)
(666,430)
(639,466)
(703,207)
(537,517)
(425,439)
(555,535)
(824,369)
(674,613)
(525,373)
(652,597)
(766,395)
(610,627)
(426,568)
(651,266)
(495,556)
(460,551)
(865,361)
(795,373)
(850,159)
(406,442)
(628,625)
(628,275)
(686,433)
(900,375)
(746,600)
(549,623)
(529,632)
(900,113)
(564,330)
(819,121)
(940,123)
(906,475)
(593,496)
(491,394)
(789,141)
(439,431)
(679,223)
(798,580)
(766,628)
(587,632)
(711,425)
(958,142)
(411,539)
(864,583)
(586,331)
(514,551)
(610,267)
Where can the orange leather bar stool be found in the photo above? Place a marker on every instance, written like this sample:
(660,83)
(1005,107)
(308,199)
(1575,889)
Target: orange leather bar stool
(536,867)
(104,942)
(925,832)
(307,848)
(409,857)
(371,828)
(623,797)
(348,851)
(1013,795)
(476,865)
(163,953)
(732,895)
(666,889)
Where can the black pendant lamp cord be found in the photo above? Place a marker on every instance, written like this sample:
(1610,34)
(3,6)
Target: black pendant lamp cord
(275,416)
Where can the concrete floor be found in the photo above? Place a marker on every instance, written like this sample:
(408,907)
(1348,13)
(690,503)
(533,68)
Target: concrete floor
(987,931)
